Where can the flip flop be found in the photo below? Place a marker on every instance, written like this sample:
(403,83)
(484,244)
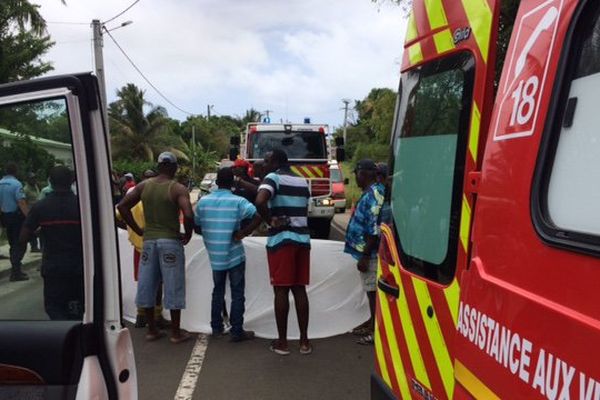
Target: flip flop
(362,331)
(366,340)
(282,352)
(151,337)
(306,349)
(184,336)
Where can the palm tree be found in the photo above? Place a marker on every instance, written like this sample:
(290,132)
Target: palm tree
(136,135)
(23,41)
(24,14)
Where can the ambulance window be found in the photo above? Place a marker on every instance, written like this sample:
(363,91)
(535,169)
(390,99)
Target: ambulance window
(428,165)
(41,253)
(570,209)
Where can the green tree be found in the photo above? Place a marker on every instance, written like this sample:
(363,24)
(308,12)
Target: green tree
(369,137)
(251,116)
(29,156)
(23,41)
(212,134)
(138,135)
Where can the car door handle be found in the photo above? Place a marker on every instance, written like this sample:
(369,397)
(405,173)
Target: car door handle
(387,288)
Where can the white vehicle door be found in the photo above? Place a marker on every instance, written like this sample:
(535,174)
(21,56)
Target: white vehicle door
(61,335)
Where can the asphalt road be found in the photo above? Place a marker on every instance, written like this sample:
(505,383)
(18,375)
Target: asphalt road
(338,369)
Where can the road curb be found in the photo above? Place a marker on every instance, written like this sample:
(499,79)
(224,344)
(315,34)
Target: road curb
(25,268)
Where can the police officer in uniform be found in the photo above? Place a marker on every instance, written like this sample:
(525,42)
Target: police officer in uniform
(13,207)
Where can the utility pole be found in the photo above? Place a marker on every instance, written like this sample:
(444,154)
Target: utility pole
(99,66)
(193,152)
(346,103)
(208,108)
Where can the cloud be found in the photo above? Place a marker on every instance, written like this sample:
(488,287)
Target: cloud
(297,58)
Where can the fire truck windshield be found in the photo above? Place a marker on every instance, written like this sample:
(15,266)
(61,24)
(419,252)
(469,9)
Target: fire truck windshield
(298,145)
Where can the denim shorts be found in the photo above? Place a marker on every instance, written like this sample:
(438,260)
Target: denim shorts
(162,259)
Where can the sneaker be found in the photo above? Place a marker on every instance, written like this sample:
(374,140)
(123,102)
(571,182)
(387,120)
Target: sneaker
(22,276)
(306,348)
(218,334)
(140,321)
(245,335)
(277,348)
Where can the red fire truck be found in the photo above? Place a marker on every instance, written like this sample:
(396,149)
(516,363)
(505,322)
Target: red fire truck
(489,277)
(308,150)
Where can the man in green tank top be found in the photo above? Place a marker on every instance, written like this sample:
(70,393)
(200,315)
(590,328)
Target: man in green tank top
(163,258)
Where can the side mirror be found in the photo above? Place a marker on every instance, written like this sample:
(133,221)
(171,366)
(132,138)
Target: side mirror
(346,181)
(233,153)
(339,141)
(234,140)
(340,154)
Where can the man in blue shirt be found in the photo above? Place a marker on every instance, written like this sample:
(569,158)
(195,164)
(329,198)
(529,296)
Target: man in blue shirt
(362,234)
(14,210)
(282,201)
(218,218)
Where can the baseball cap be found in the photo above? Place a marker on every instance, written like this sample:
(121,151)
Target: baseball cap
(149,173)
(167,158)
(241,163)
(365,165)
(129,175)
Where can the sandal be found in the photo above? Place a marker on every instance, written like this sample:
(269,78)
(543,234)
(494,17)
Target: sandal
(151,337)
(184,336)
(362,331)
(306,348)
(274,347)
(366,340)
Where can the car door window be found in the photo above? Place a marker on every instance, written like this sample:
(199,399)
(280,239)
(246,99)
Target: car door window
(41,254)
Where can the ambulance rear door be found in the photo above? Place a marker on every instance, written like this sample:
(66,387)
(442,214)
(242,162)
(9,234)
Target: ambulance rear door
(442,113)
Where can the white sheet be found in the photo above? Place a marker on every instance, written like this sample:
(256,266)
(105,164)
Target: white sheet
(337,301)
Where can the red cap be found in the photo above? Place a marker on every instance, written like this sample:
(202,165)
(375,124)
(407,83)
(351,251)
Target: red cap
(241,163)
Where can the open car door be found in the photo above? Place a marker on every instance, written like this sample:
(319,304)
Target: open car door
(61,335)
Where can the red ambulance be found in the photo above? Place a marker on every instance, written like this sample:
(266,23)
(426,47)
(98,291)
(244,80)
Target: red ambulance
(489,276)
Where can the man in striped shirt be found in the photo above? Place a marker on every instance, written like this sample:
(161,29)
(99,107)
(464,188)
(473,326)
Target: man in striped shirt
(218,218)
(282,201)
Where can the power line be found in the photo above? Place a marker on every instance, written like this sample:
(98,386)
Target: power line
(71,41)
(144,76)
(67,23)
(122,12)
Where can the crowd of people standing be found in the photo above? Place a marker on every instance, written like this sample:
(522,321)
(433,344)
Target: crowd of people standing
(153,211)
(275,196)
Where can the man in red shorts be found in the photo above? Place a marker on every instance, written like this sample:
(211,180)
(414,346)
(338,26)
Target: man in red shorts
(282,201)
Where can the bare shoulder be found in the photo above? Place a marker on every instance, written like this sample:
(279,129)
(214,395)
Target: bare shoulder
(180,190)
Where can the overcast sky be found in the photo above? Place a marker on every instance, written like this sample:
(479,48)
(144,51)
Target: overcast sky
(295,57)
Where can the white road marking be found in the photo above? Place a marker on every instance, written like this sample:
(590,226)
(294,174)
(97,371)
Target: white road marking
(185,391)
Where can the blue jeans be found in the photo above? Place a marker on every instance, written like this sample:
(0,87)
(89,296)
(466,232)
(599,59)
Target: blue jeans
(162,259)
(237,281)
